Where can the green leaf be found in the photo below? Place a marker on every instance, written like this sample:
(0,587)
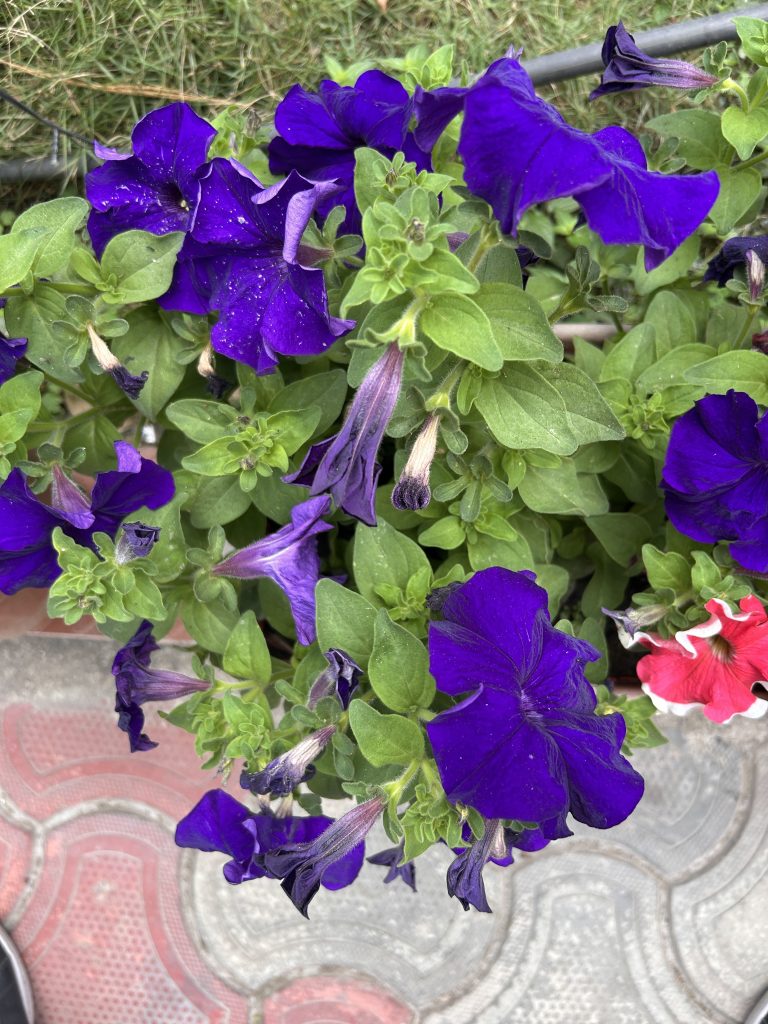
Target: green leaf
(457,324)
(144,598)
(631,356)
(59,219)
(753,33)
(744,129)
(141,264)
(523,410)
(675,266)
(622,534)
(670,370)
(739,189)
(562,491)
(211,624)
(666,570)
(17,254)
(31,317)
(742,370)
(446,533)
(384,555)
(701,142)
(202,420)
(327,391)
(218,500)
(519,324)
(399,667)
(385,739)
(673,323)
(345,620)
(97,435)
(589,415)
(500,265)
(150,344)
(246,655)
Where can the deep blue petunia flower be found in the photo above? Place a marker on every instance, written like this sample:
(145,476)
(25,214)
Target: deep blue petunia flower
(27,556)
(524,741)
(627,67)
(318,133)
(287,771)
(715,476)
(335,856)
(220,823)
(345,465)
(155,188)
(290,558)
(518,151)
(341,678)
(733,255)
(136,683)
(391,859)
(11,351)
(243,259)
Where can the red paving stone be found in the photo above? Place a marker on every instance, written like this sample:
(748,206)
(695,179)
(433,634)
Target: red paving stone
(330,1000)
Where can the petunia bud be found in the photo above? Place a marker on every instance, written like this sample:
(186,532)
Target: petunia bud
(136,541)
(214,385)
(287,771)
(412,490)
(340,677)
(630,620)
(755,275)
(108,361)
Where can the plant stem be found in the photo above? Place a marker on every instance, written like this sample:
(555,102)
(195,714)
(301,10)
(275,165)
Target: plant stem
(67,387)
(69,288)
(756,158)
(43,426)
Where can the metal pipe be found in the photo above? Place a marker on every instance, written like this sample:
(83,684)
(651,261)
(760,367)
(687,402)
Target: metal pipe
(657,42)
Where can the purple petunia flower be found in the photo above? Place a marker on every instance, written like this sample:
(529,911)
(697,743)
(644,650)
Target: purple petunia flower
(136,541)
(318,133)
(155,188)
(733,255)
(391,859)
(287,771)
(136,683)
(518,151)
(289,557)
(524,741)
(11,351)
(627,67)
(243,259)
(220,823)
(715,476)
(27,556)
(340,848)
(345,465)
(342,677)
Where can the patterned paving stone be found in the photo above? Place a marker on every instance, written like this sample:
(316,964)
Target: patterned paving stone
(326,1000)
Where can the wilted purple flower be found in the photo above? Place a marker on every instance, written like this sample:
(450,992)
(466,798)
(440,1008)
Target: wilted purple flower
(715,476)
(345,465)
(465,873)
(630,620)
(27,556)
(290,558)
(318,133)
(136,541)
(524,741)
(519,151)
(136,683)
(128,382)
(412,491)
(341,677)
(11,351)
(627,67)
(155,189)
(220,823)
(287,771)
(733,255)
(304,866)
(391,859)
(243,259)
(755,275)
(214,385)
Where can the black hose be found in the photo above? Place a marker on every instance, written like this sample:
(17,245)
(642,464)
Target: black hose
(657,42)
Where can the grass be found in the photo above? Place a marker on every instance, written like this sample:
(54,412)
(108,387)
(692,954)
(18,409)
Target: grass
(95,66)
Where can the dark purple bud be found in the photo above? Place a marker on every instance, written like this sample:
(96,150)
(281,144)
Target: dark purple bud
(627,67)
(341,677)
(465,874)
(137,541)
(217,387)
(455,239)
(108,361)
(345,465)
(436,598)
(526,257)
(290,558)
(303,866)
(287,771)
(733,255)
(392,859)
(136,683)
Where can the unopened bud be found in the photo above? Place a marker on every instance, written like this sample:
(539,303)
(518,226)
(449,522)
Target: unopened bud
(412,490)
(136,541)
(755,275)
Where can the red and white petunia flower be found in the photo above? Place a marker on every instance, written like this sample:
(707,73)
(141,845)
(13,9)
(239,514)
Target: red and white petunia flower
(713,666)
